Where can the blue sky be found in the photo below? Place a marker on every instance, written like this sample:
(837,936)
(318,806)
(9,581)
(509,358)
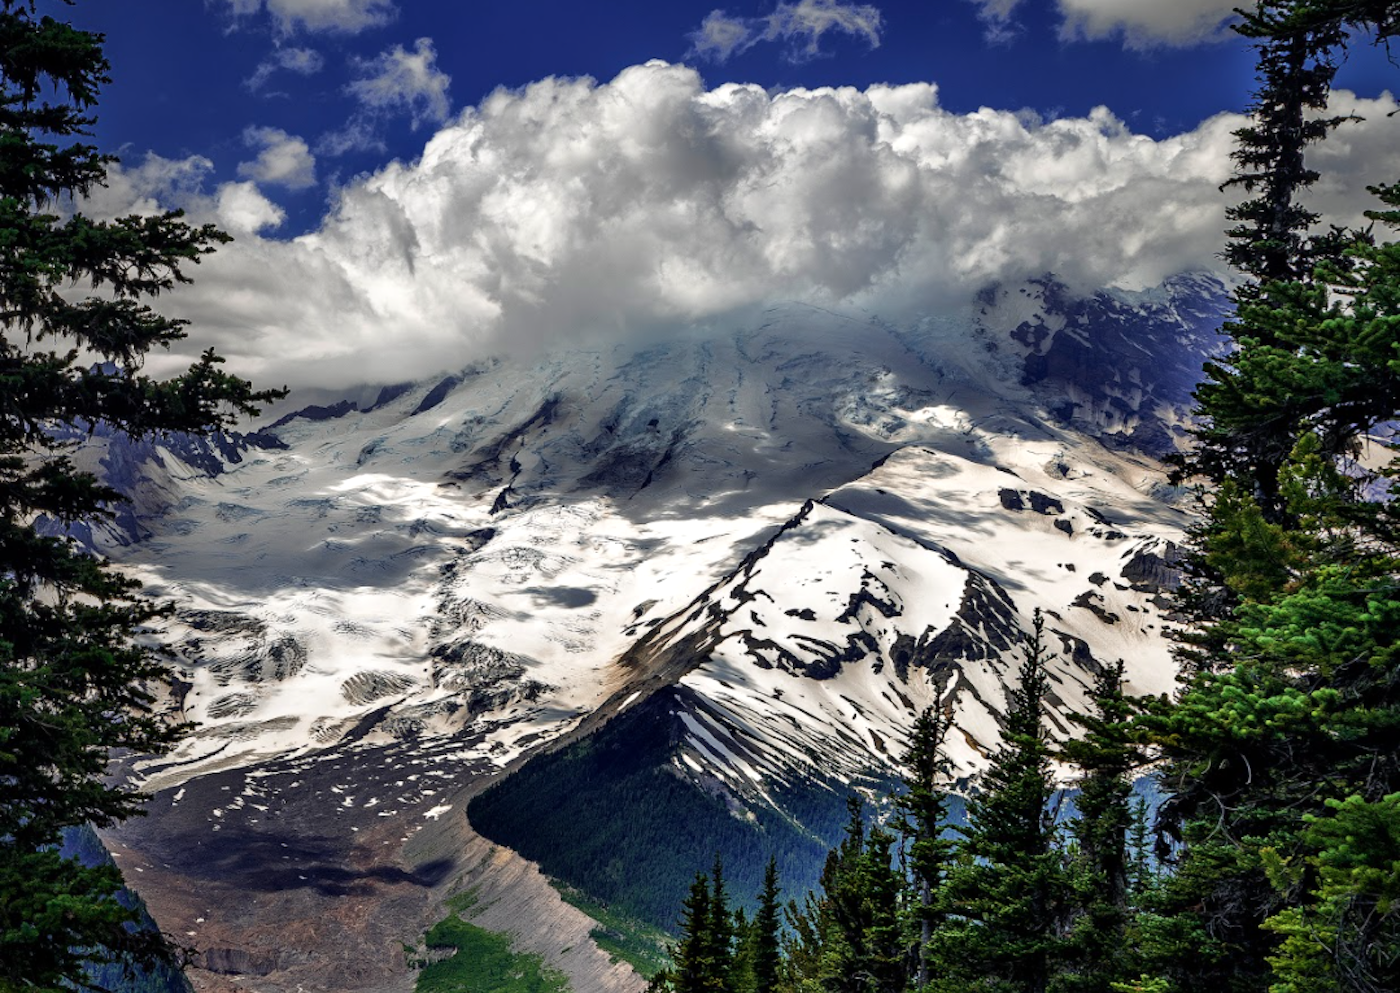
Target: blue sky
(194,77)
(968,149)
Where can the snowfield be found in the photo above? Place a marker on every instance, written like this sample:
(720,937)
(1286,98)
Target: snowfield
(816,522)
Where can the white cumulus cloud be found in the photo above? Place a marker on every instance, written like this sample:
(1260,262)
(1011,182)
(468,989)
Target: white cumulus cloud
(283,159)
(1140,23)
(1145,23)
(338,16)
(242,209)
(158,184)
(396,82)
(301,61)
(400,81)
(574,207)
(801,25)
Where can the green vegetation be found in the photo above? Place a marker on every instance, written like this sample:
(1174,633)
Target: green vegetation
(1281,764)
(1007,894)
(482,961)
(623,936)
(637,831)
(462,902)
(75,330)
(720,950)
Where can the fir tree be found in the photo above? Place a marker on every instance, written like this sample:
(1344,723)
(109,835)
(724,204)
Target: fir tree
(847,937)
(1281,730)
(699,964)
(1010,887)
(741,978)
(73,683)
(802,944)
(720,931)
(1295,66)
(924,809)
(764,942)
(1258,398)
(1105,756)
(758,941)
(1141,873)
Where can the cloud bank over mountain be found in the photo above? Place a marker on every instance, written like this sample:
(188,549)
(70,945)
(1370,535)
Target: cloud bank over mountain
(575,207)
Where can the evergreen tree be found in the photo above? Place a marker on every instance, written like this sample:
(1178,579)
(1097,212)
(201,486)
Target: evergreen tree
(1295,65)
(697,960)
(876,930)
(1262,752)
(73,684)
(924,809)
(1257,399)
(1105,756)
(721,931)
(1009,887)
(741,978)
(802,944)
(1141,874)
(758,942)
(1279,739)
(847,938)
(764,942)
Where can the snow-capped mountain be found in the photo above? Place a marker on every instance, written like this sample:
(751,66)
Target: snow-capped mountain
(908,587)
(792,683)
(794,529)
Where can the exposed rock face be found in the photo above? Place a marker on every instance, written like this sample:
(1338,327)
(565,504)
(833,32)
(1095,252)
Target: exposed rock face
(514,898)
(317,412)
(260,662)
(369,686)
(1121,367)
(437,394)
(1154,571)
(240,962)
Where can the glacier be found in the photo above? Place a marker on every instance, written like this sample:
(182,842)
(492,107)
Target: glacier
(797,527)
